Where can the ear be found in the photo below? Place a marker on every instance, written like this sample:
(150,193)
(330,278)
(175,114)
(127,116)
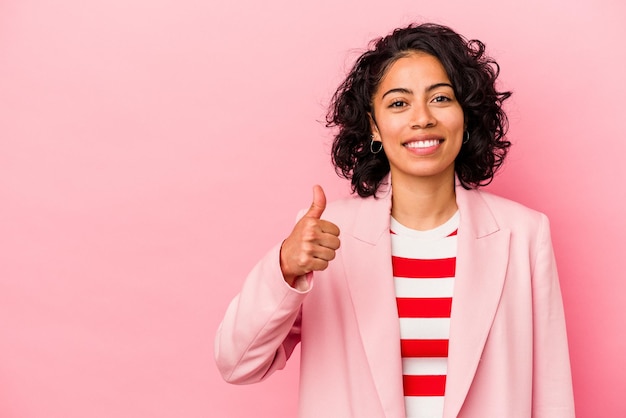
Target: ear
(373,126)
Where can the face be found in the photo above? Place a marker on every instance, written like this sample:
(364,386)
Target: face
(418,119)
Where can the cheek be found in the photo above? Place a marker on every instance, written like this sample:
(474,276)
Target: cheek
(391,127)
(456,124)
(461,120)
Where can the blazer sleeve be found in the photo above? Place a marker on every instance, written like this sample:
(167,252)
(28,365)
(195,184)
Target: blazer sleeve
(552,383)
(261,326)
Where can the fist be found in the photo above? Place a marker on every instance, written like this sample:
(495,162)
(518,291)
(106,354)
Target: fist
(312,242)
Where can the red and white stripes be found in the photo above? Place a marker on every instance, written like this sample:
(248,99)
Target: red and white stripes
(424,264)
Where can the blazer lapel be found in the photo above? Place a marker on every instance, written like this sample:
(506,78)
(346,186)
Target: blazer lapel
(368,266)
(482,259)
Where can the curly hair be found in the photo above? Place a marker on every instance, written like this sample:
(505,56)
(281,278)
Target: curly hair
(473,76)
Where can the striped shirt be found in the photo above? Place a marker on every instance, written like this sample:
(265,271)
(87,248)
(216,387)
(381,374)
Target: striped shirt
(424,264)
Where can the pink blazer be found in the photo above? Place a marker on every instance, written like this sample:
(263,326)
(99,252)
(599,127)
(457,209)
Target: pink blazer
(508,354)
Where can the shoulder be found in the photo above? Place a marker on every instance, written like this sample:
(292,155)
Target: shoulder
(509,213)
(506,206)
(344,211)
(346,204)
(340,207)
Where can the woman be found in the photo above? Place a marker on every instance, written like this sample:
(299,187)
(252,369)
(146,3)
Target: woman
(437,299)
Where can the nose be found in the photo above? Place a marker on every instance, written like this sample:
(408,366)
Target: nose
(422,117)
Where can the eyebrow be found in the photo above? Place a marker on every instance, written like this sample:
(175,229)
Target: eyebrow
(409,91)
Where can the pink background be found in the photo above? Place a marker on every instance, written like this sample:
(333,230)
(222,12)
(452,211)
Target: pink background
(152,151)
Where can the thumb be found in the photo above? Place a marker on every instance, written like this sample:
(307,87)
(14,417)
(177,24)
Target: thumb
(319,203)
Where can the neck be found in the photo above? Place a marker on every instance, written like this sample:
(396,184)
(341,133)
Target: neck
(423,203)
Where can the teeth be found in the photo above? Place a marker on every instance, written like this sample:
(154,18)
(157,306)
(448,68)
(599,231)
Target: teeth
(423,144)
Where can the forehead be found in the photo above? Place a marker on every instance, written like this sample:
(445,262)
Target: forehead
(415,68)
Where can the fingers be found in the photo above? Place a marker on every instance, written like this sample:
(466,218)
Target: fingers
(314,258)
(325,254)
(318,232)
(326,239)
(329,227)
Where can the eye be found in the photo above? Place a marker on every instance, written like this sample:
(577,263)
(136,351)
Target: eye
(441,99)
(397,103)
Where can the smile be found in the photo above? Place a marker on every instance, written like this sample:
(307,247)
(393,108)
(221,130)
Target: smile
(423,144)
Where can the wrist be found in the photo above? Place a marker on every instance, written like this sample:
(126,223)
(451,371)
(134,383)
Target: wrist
(288,277)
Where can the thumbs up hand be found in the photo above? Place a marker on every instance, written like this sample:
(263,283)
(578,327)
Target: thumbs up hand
(312,242)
